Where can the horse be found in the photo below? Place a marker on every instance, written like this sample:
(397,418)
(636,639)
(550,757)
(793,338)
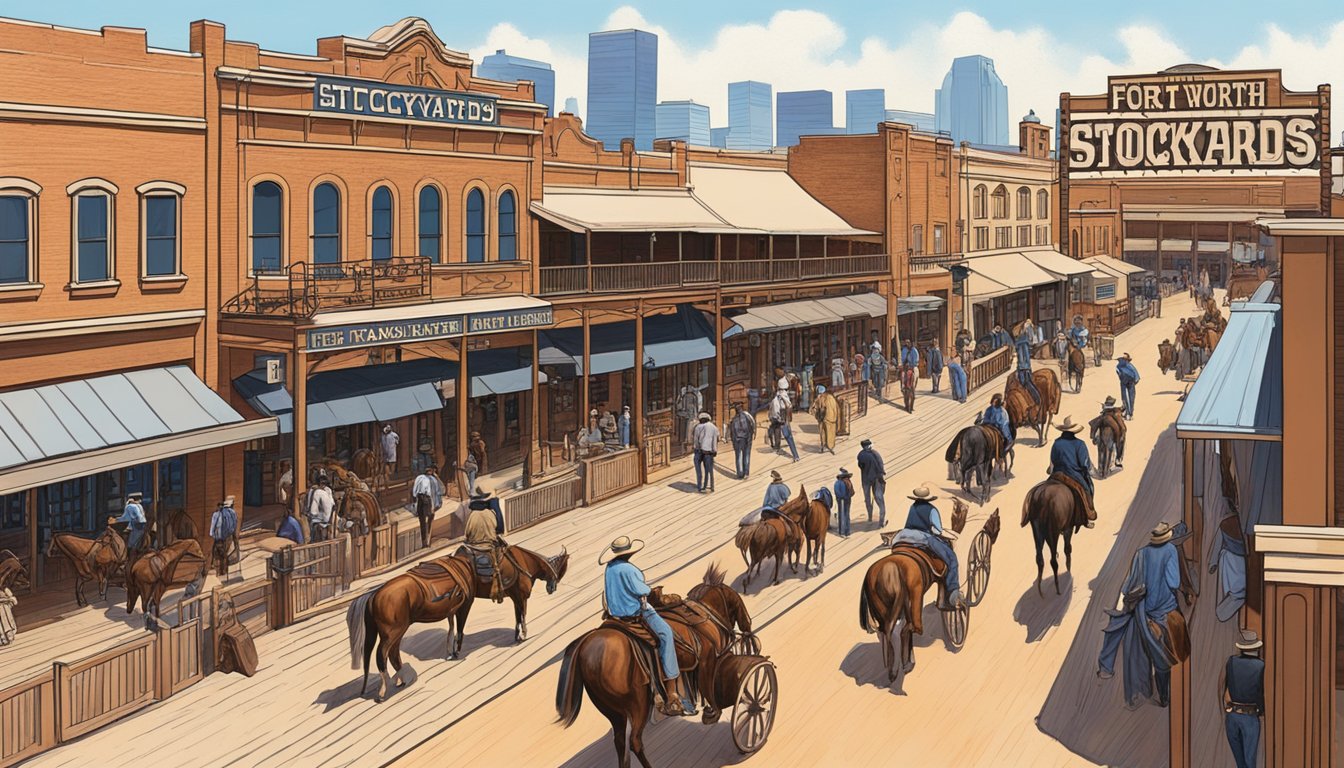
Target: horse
(94,559)
(519,569)
(975,450)
(360,506)
(892,598)
(432,591)
(1166,357)
(813,516)
(605,663)
(1023,411)
(364,464)
(776,536)
(13,573)
(152,574)
(1051,509)
(1074,367)
(1108,434)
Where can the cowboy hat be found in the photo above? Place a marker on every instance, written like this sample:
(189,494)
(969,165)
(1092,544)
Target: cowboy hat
(227,502)
(704,416)
(593,412)
(843,473)
(1126,356)
(387,427)
(821,389)
(623,545)
(1110,402)
(1068,425)
(865,442)
(922,493)
(1249,641)
(1161,534)
(135,495)
(480,493)
(774,475)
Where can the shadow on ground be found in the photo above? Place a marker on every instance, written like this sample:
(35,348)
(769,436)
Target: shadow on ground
(1039,612)
(673,741)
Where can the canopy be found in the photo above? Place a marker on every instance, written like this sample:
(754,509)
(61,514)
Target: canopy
(802,313)
(584,209)
(1114,266)
(1010,270)
(680,337)
(765,199)
(1055,262)
(1240,392)
(908,305)
(353,395)
(113,421)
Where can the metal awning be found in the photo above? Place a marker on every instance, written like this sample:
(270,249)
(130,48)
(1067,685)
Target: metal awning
(1010,270)
(801,313)
(1114,266)
(680,337)
(1239,394)
(908,305)
(358,408)
(586,209)
(765,199)
(64,431)
(1056,263)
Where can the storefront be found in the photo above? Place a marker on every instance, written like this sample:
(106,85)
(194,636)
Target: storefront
(1005,288)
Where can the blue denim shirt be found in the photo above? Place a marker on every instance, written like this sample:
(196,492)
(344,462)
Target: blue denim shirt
(624,584)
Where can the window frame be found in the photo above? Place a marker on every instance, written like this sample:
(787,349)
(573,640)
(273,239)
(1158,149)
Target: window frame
(939,239)
(1023,203)
(917,240)
(373,236)
(31,192)
(94,188)
(500,234)
(999,202)
(282,261)
(338,236)
(980,201)
(1042,203)
(484,234)
(160,189)
(440,224)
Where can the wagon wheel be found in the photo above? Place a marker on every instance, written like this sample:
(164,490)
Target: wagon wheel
(754,712)
(978,569)
(955,623)
(746,644)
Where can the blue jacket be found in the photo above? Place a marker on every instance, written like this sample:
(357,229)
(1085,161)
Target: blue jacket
(776,495)
(996,416)
(1127,372)
(842,491)
(290,529)
(871,468)
(935,357)
(924,517)
(1069,455)
(1023,346)
(1079,336)
(909,356)
(624,585)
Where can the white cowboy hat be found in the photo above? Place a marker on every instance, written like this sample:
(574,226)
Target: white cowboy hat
(1249,641)
(1161,534)
(922,493)
(623,545)
(227,502)
(704,416)
(1068,425)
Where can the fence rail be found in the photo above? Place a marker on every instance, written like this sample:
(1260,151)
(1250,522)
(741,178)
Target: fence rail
(27,719)
(97,690)
(609,474)
(306,576)
(542,501)
(985,369)
(626,278)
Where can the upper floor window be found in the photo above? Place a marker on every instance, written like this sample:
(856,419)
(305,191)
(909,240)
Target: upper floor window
(939,238)
(268,201)
(160,222)
(431,224)
(326,224)
(380,225)
(1042,204)
(1023,203)
(1000,202)
(475,226)
(980,201)
(95,243)
(508,227)
(981,238)
(917,239)
(18,217)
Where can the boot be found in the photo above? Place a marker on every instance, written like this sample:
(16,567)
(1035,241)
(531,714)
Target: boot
(675,705)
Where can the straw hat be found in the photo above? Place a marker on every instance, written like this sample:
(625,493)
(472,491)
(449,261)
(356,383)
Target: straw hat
(1161,534)
(774,475)
(227,502)
(1249,641)
(1069,426)
(623,545)
(704,416)
(922,493)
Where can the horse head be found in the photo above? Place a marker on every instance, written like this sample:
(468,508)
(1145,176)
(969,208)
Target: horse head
(721,599)
(558,564)
(992,526)
(12,571)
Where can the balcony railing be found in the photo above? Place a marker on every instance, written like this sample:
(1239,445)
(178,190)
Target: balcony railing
(630,278)
(925,263)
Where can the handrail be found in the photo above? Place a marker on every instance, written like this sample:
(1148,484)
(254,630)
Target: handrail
(308,288)
(624,278)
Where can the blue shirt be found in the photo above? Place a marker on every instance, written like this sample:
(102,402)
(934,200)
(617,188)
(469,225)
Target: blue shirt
(910,356)
(842,491)
(290,529)
(1069,455)
(1162,577)
(134,514)
(1024,353)
(935,360)
(1127,372)
(1079,336)
(871,468)
(996,416)
(776,495)
(924,517)
(624,584)
(223,523)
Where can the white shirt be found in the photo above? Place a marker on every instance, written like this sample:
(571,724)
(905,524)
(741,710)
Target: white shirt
(390,441)
(705,437)
(320,505)
(286,485)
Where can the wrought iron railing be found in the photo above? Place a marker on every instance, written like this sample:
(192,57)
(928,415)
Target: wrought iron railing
(303,289)
(628,278)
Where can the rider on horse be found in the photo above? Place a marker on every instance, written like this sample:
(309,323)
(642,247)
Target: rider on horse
(483,532)
(133,514)
(1078,333)
(995,416)
(1117,412)
(924,529)
(627,598)
(1025,337)
(776,493)
(1069,459)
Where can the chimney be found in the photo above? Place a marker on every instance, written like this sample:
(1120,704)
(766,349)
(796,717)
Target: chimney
(1033,138)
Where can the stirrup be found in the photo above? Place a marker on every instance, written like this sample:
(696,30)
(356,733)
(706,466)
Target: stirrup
(683,707)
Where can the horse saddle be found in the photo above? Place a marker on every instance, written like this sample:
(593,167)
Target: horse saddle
(431,575)
(1082,500)
(633,627)
(481,560)
(925,558)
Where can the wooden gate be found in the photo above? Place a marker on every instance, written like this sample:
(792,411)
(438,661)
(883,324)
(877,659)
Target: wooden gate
(182,655)
(27,719)
(95,691)
(374,552)
(306,576)
(607,475)
(542,501)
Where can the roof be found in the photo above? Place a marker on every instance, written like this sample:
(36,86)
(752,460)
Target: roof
(431,309)
(765,199)
(1114,266)
(627,210)
(1240,392)
(908,305)
(1053,261)
(1000,273)
(1303,227)
(802,313)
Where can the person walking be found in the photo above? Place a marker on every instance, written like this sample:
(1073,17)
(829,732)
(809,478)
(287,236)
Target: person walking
(781,416)
(826,409)
(934,355)
(223,532)
(909,354)
(321,504)
(877,370)
(623,425)
(1129,377)
(844,495)
(873,477)
(428,494)
(388,443)
(956,376)
(1244,700)
(742,431)
(705,439)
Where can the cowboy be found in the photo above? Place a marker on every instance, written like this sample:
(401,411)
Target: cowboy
(289,528)
(133,515)
(705,441)
(956,376)
(781,415)
(924,517)
(1110,408)
(1069,457)
(873,477)
(626,595)
(1078,333)
(389,442)
(996,416)
(1244,699)
(607,424)
(837,371)
(877,371)
(428,494)
(1025,337)
(909,354)
(844,495)
(1060,346)
(623,426)
(321,504)
(483,533)
(935,356)
(776,493)
(827,411)
(1129,376)
(223,530)
(998,337)
(742,430)
(284,487)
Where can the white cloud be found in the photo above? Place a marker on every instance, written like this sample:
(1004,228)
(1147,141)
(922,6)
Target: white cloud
(804,49)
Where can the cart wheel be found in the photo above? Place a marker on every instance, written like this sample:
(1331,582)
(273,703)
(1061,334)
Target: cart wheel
(955,623)
(746,644)
(978,569)
(754,712)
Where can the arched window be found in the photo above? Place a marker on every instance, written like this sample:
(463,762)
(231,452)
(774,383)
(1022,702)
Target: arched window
(1023,203)
(981,202)
(508,227)
(430,224)
(18,219)
(380,225)
(326,224)
(268,202)
(1042,204)
(475,226)
(1000,201)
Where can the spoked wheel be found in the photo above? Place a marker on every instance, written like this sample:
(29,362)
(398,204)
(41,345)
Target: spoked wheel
(977,569)
(754,712)
(955,623)
(746,644)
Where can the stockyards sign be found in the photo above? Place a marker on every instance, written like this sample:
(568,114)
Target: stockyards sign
(362,97)
(1186,126)
(425,329)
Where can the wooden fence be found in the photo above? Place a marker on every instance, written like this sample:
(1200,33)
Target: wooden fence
(406,541)
(607,475)
(986,369)
(27,719)
(657,451)
(307,575)
(375,552)
(542,501)
(95,691)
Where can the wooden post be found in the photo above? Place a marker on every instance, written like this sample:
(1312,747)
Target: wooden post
(463,395)
(298,374)
(637,411)
(1178,728)
(719,386)
(587,370)
(534,441)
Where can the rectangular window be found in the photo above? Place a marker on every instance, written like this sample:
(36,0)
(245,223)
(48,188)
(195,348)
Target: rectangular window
(1003,237)
(1024,236)
(1088,247)
(14,511)
(917,239)
(66,506)
(939,238)
(1042,236)
(982,238)
(15,238)
(161,235)
(1046,300)
(92,262)
(1075,290)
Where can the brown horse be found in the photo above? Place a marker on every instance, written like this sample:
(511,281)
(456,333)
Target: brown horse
(1024,411)
(1074,367)
(1051,510)
(909,376)
(12,571)
(603,662)
(432,591)
(892,599)
(94,559)
(365,464)
(519,569)
(814,518)
(152,573)
(361,507)
(1108,434)
(776,536)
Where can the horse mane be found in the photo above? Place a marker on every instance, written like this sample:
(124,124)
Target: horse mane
(714,574)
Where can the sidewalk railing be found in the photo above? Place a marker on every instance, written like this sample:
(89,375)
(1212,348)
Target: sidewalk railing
(986,369)
(541,501)
(609,474)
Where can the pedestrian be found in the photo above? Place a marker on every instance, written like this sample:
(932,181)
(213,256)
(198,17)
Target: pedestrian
(223,532)
(12,574)
(1025,337)
(837,372)
(742,431)
(428,494)
(965,346)
(1129,377)
(1147,621)
(935,365)
(1069,459)
(861,364)
(705,439)
(1244,700)
(284,487)
(956,375)
(608,426)
(826,409)
(289,528)
(321,504)
(875,345)
(781,418)
(1060,347)
(470,468)
(844,495)
(133,515)
(776,493)
(623,424)
(909,354)
(998,336)
(476,448)
(389,442)
(877,367)
(873,477)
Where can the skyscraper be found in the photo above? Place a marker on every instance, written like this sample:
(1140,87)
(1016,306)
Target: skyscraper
(622,87)
(864,109)
(718,137)
(799,113)
(972,105)
(572,105)
(684,120)
(749,122)
(501,66)
(922,121)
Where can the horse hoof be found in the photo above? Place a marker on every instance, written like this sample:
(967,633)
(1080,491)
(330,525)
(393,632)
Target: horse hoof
(908,668)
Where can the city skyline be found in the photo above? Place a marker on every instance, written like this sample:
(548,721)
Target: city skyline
(622,95)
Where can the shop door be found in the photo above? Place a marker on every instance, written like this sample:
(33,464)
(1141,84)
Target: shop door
(252,480)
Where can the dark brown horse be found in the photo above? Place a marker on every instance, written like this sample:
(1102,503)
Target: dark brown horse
(432,591)
(976,451)
(603,663)
(1024,411)
(12,571)
(814,518)
(94,559)
(152,573)
(1075,364)
(891,602)
(1166,356)
(909,376)
(1051,510)
(519,569)
(1108,434)
(775,536)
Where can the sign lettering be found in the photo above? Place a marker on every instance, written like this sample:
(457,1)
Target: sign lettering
(1270,142)
(427,329)
(360,97)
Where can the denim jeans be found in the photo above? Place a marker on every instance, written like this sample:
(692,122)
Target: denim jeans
(936,378)
(1243,736)
(667,651)
(1127,396)
(742,455)
(876,490)
(787,432)
(842,515)
(704,460)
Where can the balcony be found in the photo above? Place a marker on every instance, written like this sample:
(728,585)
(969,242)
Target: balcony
(635,278)
(929,263)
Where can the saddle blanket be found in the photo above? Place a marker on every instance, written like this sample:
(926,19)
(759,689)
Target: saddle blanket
(824,496)
(752,517)
(920,550)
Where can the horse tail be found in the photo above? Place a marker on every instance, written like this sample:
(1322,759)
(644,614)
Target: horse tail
(569,691)
(865,610)
(358,617)
(1026,506)
(951,454)
(743,539)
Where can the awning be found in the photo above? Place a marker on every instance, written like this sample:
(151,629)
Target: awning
(803,313)
(354,395)
(63,431)
(873,304)
(585,209)
(1010,270)
(908,305)
(765,199)
(1114,266)
(680,337)
(1199,213)
(1056,263)
(1240,392)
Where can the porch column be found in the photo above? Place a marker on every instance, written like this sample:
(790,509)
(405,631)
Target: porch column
(298,376)
(587,368)
(637,410)
(1178,711)
(719,385)
(534,443)
(464,395)
(893,328)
